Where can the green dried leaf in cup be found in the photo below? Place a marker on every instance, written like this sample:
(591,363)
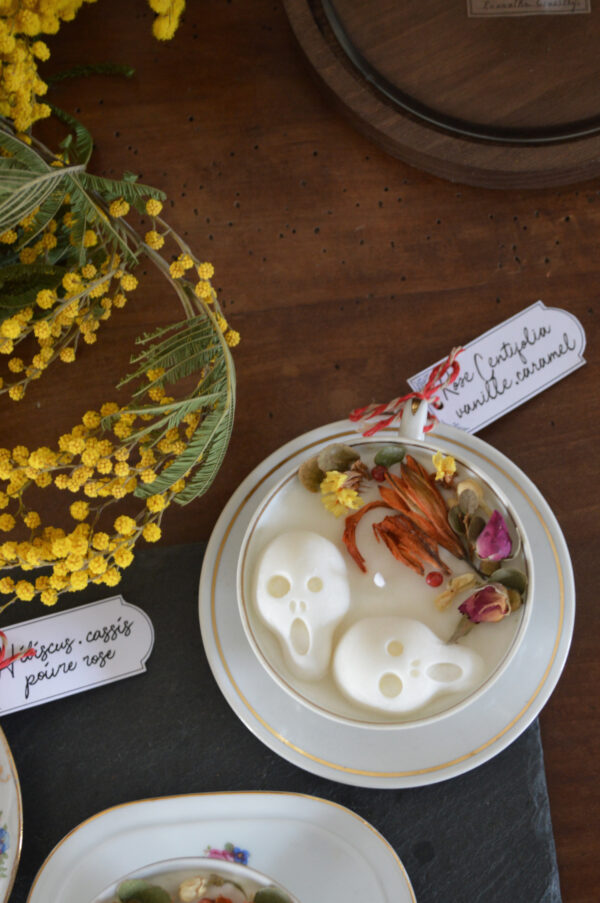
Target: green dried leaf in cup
(154,894)
(139,891)
(487,567)
(468,501)
(511,578)
(515,600)
(337,457)
(456,519)
(476,525)
(270,895)
(311,475)
(129,889)
(390,454)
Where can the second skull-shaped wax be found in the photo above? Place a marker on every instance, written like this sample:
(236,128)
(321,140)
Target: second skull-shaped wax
(397,665)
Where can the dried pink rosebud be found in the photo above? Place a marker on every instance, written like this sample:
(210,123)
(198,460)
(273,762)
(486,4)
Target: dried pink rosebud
(491,603)
(494,542)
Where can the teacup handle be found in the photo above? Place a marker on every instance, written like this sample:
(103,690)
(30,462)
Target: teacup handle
(414,418)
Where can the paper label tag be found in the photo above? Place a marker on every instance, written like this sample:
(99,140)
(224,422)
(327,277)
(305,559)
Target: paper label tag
(76,650)
(508,365)
(483,8)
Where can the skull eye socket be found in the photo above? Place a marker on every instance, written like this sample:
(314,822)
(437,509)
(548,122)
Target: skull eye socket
(444,672)
(278,586)
(315,584)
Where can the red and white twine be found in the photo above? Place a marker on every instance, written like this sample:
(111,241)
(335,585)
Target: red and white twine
(442,375)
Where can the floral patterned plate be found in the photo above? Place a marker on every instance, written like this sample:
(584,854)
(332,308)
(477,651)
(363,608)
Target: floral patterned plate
(318,850)
(11,820)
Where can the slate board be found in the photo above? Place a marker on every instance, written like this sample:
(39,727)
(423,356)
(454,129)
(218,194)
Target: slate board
(484,836)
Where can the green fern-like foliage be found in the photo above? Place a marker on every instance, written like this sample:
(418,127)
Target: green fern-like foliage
(192,347)
(44,195)
(32,182)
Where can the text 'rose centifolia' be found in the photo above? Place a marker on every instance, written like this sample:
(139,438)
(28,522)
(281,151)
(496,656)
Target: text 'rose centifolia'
(494,542)
(489,604)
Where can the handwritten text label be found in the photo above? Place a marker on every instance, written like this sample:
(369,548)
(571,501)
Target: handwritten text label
(509,365)
(75,650)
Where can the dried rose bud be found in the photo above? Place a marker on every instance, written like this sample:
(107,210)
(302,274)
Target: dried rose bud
(491,603)
(494,542)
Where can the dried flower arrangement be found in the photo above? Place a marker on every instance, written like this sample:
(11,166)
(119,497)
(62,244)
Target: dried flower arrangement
(429,510)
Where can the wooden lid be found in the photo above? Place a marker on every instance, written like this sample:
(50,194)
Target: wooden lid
(491,92)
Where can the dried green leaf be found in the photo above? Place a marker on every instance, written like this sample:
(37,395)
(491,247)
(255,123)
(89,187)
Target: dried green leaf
(153,894)
(129,889)
(311,475)
(476,525)
(515,600)
(271,895)
(390,454)
(456,519)
(337,457)
(487,567)
(468,501)
(473,485)
(511,578)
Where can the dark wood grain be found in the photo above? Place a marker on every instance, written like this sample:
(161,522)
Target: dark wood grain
(346,271)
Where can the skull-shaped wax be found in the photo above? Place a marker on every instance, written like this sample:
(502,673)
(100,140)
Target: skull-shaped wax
(302,593)
(397,665)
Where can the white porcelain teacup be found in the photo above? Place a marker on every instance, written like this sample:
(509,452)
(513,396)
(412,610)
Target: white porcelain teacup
(388,608)
(169,874)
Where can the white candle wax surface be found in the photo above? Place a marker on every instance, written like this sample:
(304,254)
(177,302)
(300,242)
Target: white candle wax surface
(387,589)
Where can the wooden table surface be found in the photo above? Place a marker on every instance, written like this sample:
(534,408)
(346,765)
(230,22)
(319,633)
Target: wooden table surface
(346,272)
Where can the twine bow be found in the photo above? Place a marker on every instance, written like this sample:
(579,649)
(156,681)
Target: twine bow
(4,661)
(442,375)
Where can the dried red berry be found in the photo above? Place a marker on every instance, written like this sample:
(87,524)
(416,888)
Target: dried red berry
(433,578)
(378,473)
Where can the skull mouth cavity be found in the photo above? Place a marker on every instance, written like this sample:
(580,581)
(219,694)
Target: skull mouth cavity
(299,637)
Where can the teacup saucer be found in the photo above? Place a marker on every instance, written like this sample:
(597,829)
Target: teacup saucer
(428,752)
